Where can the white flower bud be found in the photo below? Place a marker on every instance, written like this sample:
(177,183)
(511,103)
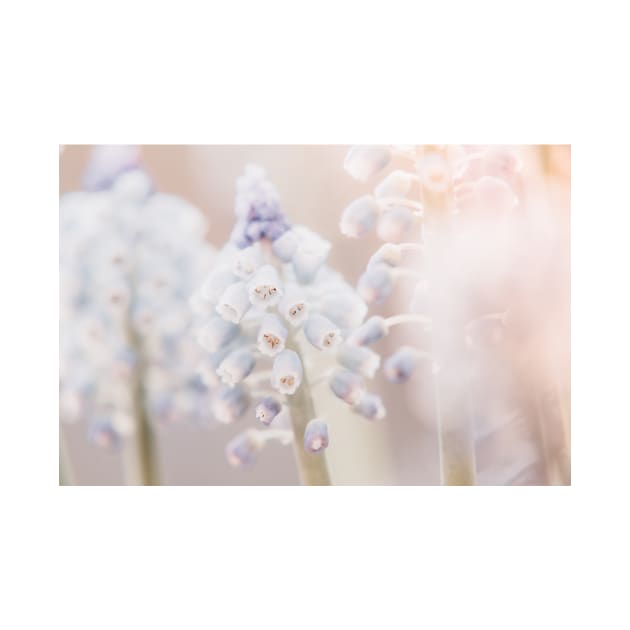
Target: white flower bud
(344,307)
(285,246)
(286,373)
(310,255)
(217,281)
(267,409)
(376,284)
(216,334)
(316,436)
(370,331)
(388,254)
(396,184)
(321,332)
(371,407)
(242,450)
(236,366)
(347,386)
(230,403)
(234,302)
(362,162)
(265,288)
(246,261)
(394,224)
(293,306)
(359,359)
(359,217)
(272,335)
(399,367)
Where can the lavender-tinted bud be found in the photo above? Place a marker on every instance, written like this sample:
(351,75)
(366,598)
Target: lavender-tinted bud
(435,173)
(293,305)
(321,332)
(272,335)
(217,281)
(265,288)
(344,308)
(399,367)
(234,302)
(347,386)
(359,217)
(387,254)
(236,366)
(230,403)
(242,450)
(103,433)
(370,331)
(375,284)
(286,374)
(134,185)
(246,261)
(267,409)
(285,245)
(310,255)
(216,334)
(371,407)
(316,436)
(362,162)
(359,359)
(396,184)
(106,163)
(394,224)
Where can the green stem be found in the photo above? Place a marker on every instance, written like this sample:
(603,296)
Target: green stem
(312,467)
(455,432)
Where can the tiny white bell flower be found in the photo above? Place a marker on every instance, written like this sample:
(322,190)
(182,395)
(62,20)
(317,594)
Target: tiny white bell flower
(243,449)
(394,224)
(347,386)
(286,373)
(230,403)
(234,302)
(316,436)
(247,261)
(399,367)
(216,334)
(359,359)
(371,407)
(376,283)
(272,335)
(267,410)
(359,217)
(321,332)
(396,184)
(370,331)
(237,366)
(362,162)
(284,246)
(264,288)
(293,306)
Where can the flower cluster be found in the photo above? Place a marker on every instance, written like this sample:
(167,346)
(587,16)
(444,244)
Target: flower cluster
(270,301)
(128,259)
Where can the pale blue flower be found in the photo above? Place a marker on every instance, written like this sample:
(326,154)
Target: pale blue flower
(230,403)
(316,436)
(272,335)
(234,302)
(395,184)
(321,332)
(370,331)
(371,407)
(286,374)
(216,334)
(347,386)
(267,410)
(359,217)
(265,288)
(243,449)
(362,162)
(376,283)
(359,359)
(399,367)
(236,366)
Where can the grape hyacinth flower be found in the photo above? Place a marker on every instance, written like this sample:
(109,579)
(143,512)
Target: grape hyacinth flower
(454,183)
(297,314)
(129,255)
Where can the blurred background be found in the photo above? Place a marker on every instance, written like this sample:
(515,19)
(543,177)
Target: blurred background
(523,436)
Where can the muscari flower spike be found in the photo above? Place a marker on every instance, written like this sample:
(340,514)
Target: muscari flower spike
(271,299)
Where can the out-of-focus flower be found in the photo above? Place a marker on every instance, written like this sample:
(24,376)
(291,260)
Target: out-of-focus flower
(362,162)
(371,406)
(435,173)
(359,359)
(347,386)
(399,367)
(234,302)
(230,403)
(216,334)
(359,217)
(394,224)
(488,194)
(376,283)
(396,184)
(316,436)
(369,332)
(242,450)
(236,366)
